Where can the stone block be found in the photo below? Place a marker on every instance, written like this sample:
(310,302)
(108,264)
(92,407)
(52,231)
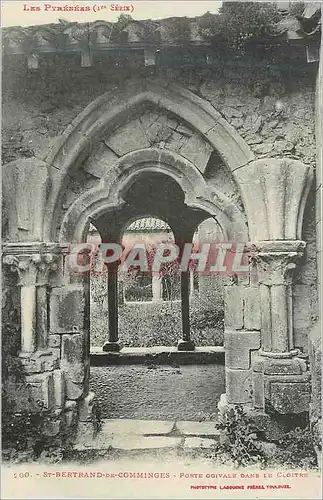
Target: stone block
(143,427)
(293,366)
(196,150)
(73,365)
(70,413)
(127,138)
(40,361)
(67,306)
(32,364)
(52,362)
(233,307)
(85,408)
(54,340)
(238,346)
(25,182)
(301,339)
(100,161)
(272,429)
(144,443)
(74,390)
(59,388)
(290,397)
(258,392)
(238,386)
(252,312)
(72,349)
(42,388)
(302,306)
(197,428)
(85,434)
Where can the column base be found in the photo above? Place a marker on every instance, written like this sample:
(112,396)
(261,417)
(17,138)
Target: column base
(279,355)
(112,347)
(186,345)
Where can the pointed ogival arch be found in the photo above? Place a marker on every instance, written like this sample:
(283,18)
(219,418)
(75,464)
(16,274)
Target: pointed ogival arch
(112,109)
(107,195)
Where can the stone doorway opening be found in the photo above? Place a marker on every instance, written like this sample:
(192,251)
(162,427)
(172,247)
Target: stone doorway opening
(145,376)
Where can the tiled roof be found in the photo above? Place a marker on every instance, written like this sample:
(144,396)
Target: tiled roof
(148,224)
(105,36)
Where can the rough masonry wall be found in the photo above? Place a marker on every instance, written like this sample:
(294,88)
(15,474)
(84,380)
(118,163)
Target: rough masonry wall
(272,109)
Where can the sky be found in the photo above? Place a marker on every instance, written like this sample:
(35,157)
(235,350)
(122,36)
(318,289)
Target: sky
(17,13)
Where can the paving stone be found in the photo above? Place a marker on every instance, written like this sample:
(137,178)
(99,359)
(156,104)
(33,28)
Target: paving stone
(144,443)
(138,427)
(197,428)
(197,442)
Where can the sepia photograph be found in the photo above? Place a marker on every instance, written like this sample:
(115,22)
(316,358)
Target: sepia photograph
(161,249)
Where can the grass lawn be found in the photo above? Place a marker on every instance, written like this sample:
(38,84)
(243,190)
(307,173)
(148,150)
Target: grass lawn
(148,324)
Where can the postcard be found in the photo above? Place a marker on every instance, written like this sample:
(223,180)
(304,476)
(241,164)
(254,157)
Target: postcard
(161,249)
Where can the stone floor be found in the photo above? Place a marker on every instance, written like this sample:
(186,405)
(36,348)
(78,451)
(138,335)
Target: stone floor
(154,435)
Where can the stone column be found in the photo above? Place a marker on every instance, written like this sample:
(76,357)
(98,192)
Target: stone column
(157,288)
(46,264)
(276,261)
(113,345)
(274,193)
(280,378)
(186,344)
(33,272)
(191,283)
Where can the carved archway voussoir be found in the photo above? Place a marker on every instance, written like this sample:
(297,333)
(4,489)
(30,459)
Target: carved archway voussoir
(108,194)
(114,108)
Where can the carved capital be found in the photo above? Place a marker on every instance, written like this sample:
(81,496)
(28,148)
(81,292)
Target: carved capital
(276,261)
(32,269)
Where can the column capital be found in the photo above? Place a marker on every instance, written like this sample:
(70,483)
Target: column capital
(276,260)
(32,269)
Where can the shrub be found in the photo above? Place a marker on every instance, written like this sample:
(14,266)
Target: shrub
(240,439)
(242,445)
(296,449)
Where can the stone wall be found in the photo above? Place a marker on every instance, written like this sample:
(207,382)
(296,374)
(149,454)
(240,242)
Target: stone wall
(272,110)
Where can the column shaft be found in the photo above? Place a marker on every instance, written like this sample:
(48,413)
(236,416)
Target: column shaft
(42,313)
(112,345)
(28,318)
(113,305)
(157,288)
(279,315)
(185,344)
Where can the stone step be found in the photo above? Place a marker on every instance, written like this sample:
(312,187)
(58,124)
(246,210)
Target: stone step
(131,435)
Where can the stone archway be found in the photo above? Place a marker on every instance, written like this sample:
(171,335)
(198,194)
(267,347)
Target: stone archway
(261,363)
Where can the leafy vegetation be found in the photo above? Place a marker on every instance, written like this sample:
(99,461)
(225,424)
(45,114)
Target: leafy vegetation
(242,444)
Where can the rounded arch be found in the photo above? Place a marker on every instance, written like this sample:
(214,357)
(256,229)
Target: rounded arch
(107,196)
(112,109)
